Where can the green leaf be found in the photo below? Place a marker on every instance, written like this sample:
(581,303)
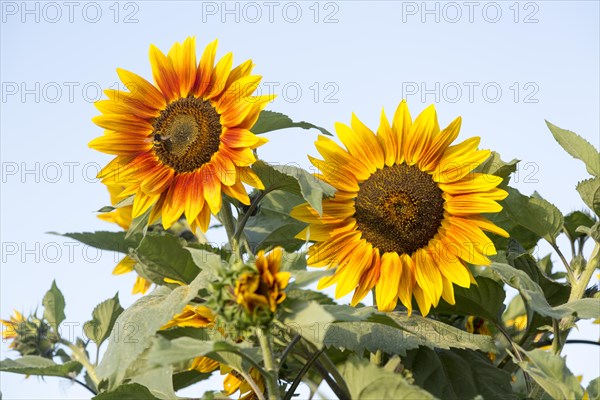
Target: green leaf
(104,317)
(163,256)
(367,381)
(113,241)
(458,374)
(239,356)
(574,220)
(589,190)
(551,373)
(269,121)
(577,147)
(54,306)
(309,295)
(187,378)
(395,333)
(534,296)
(495,166)
(308,319)
(524,236)
(534,214)
(593,389)
(485,300)
(35,365)
(272,225)
(294,180)
(305,278)
(137,325)
(131,391)
(139,225)
(159,381)
(556,293)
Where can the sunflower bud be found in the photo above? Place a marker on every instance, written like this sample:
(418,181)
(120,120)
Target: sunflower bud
(30,336)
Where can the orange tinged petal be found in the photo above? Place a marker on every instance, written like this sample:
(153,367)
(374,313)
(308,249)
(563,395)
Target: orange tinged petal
(164,74)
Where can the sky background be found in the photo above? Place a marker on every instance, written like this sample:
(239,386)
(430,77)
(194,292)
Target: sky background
(503,66)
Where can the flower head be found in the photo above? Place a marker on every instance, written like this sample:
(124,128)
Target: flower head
(29,336)
(265,288)
(183,142)
(406,214)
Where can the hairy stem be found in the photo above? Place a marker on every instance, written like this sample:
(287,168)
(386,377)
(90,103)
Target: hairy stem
(78,354)
(270,366)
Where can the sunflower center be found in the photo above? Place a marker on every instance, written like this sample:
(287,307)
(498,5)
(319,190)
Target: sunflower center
(399,209)
(186,134)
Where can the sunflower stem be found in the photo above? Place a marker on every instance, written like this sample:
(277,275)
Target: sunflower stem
(78,354)
(270,366)
(228,222)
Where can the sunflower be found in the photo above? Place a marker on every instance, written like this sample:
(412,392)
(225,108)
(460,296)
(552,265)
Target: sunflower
(122,217)
(265,288)
(182,143)
(12,327)
(203,317)
(406,214)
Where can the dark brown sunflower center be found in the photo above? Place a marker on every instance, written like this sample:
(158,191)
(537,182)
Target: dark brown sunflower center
(186,134)
(399,209)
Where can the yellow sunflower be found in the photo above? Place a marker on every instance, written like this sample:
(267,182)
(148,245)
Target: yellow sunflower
(265,288)
(203,317)
(406,214)
(122,217)
(182,143)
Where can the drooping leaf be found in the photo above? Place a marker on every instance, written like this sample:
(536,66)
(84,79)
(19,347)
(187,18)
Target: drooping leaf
(35,365)
(589,190)
(54,306)
(103,320)
(308,319)
(551,373)
(269,121)
(164,256)
(578,148)
(458,374)
(129,391)
(484,300)
(137,325)
(533,213)
(367,381)
(104,240)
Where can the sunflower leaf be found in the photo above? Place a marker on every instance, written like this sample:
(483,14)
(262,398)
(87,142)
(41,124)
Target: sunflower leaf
(551,373)
(576,219)
(577,147)
(54,307)
(534,296)
(589,190)
(104,317)
(593,389)
(367,381)
(128,391)
(533,213)
(163,256)
(495,166)
(137,325)
(269,121)
(272,224)
(104,240)
(458,374)
(36,365)
(485,300)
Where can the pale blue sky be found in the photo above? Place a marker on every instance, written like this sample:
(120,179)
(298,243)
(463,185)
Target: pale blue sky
(324,60)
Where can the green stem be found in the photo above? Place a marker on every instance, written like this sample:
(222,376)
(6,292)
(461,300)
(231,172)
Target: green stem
(565,262)
(78,354)
(244,218)
(580,284)
(270,366)
(226,217)
(556,345)
(248,378)
(303,371)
